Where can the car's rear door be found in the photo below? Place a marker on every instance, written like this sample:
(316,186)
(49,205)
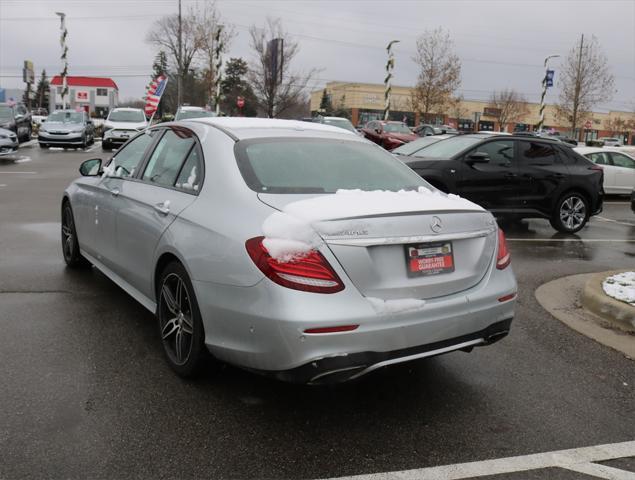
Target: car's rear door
(170,181)
(493,184)
(624,168)
(543,175)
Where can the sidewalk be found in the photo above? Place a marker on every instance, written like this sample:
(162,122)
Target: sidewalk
(579,302)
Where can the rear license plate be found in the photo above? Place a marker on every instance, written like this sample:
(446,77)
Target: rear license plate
(429,259)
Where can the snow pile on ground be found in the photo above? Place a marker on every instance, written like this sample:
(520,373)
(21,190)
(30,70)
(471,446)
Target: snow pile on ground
(621,287)
(295,231)
(400,305)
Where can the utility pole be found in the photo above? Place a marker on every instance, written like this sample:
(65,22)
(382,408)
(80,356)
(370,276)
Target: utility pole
(179,79)
(390,64)
(64,58)
(541,122)
(576,95)
(217,67)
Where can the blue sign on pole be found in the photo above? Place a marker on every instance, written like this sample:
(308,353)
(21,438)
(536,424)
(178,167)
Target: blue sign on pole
(549,78)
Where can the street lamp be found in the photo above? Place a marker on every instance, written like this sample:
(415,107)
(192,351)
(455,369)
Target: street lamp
(63,34)
(544,92)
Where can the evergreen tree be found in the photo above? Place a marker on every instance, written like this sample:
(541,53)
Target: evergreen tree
(160,67)
(42,92)
(326,107)
(233,85)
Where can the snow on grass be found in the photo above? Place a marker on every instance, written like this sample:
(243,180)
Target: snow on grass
(621,287)
(296,230)
(401,305)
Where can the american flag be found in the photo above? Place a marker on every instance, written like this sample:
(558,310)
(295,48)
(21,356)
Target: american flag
(153,94)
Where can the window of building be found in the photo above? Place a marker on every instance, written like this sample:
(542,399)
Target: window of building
(487,126)
(102,92)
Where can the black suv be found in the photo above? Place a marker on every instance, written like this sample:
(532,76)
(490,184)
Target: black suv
(515,176)
(15,117)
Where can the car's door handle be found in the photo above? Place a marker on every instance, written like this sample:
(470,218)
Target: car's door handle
(163,208)
(114,192)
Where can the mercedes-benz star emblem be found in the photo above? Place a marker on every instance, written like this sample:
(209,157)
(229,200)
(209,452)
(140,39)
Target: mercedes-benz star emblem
(436,225)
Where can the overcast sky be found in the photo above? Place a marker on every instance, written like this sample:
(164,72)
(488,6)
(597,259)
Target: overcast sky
(500,43)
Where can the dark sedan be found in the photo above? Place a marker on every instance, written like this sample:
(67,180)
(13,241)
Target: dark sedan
(388,134)
(15,117)
(515,176)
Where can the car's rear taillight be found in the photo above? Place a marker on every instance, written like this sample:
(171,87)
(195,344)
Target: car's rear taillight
(309,273)
(597,168)
(503,257)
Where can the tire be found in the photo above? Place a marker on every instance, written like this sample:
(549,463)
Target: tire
(179,320)
(571,213)
(70,245)
(106,147)
(84,141)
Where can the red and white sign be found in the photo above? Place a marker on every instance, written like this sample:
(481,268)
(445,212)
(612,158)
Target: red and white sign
(240,102)
(81,96)
(588,124)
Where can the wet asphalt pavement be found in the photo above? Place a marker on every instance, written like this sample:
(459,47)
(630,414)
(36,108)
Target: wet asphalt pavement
(85,392)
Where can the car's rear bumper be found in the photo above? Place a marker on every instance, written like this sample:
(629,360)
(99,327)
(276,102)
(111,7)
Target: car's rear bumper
(263,327)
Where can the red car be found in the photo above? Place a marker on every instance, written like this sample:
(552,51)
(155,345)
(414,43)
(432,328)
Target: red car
(388,134)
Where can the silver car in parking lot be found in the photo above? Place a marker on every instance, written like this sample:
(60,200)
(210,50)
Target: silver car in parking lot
(293,249)
(8,142)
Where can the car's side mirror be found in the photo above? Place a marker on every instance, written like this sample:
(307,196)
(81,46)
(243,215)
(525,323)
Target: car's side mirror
(91,168)
(478,157)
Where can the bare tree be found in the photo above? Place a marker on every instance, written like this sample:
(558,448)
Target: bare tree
(456,109)
(439,72)
(508,106)
(274,96)
(616,125)
(165,36)
(585,81)
(207,23)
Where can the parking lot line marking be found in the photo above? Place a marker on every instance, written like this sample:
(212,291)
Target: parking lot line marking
(588,240)
(604,219)
(18,172)
(569,459)
(601,471)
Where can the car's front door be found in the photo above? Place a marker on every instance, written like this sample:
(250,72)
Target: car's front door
(106,200)
(169,183)
(543,175)
(624,168)
(490,181)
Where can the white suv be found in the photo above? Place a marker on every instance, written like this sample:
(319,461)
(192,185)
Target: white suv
(121,124)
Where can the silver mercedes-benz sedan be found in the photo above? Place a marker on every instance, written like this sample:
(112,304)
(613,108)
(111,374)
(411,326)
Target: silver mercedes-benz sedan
(293,249)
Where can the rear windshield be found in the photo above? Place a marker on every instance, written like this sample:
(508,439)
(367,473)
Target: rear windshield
(412,147)
(396,128)
(448,148)
(136,116)
(284,165)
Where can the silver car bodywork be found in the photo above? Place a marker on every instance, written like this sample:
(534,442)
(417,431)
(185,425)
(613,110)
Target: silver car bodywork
(8,142)
(255,323)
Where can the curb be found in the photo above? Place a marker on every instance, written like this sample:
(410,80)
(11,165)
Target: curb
(621,315)
(562,299)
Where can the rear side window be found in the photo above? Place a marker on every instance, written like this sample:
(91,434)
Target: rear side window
(168,156)
(623,161)
(286,165)
(536,153)
(599,158)
(191,176)
(501,152)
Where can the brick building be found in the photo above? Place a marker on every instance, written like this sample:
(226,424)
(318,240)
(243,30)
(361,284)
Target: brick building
(365,101)
(93,94)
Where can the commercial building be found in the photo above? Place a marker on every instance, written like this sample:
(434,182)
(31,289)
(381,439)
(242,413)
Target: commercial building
(94,94)
(363,102)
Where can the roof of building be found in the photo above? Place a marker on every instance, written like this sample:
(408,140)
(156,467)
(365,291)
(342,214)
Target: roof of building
(86,82)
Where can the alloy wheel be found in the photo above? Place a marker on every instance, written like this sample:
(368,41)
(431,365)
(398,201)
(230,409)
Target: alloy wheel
(68,233)
(573,212)
(176,319)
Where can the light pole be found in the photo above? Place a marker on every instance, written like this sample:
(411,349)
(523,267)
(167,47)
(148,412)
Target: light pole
(541,122)
(390,64)
(63,34)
